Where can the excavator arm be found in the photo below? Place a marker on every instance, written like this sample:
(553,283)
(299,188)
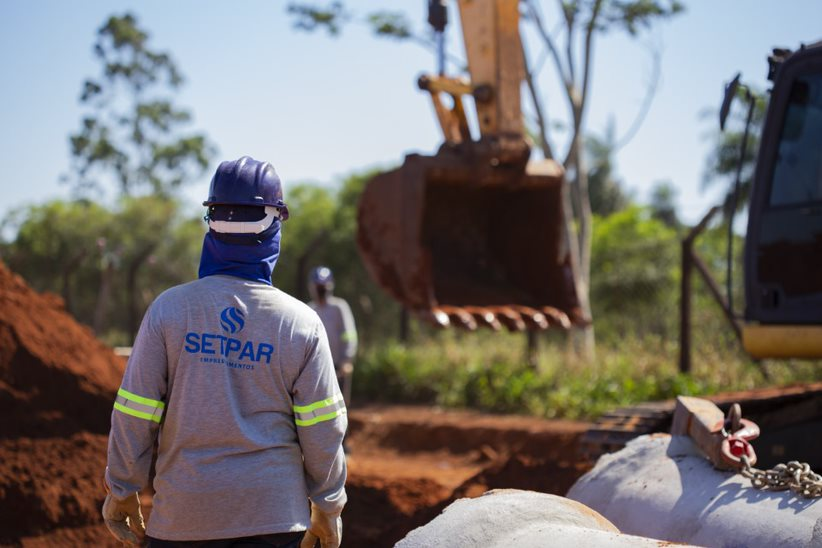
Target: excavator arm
(473,235)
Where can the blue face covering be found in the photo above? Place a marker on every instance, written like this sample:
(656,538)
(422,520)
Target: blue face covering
(251,257)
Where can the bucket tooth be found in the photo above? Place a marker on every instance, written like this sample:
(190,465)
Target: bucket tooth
(534,319)
(556,317)
(434,316)
(484,317)
(508,317)
(578,318)
(459,317)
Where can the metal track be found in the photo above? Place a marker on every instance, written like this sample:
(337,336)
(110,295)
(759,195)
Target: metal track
(788,417)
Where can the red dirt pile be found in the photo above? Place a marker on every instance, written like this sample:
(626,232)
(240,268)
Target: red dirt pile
(57,385)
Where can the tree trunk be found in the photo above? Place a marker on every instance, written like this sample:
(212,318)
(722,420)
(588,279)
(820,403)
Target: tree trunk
(404,325)
(103,296)
(532,349)
(584,339)
(71,267)
(131,289)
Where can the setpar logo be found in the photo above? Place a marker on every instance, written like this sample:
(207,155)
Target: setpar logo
(232,319)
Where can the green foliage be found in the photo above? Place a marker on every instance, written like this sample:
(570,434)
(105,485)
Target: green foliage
(634,273)
(311,212)
(310,17)
(390,24)
(131,130)
(663,203)
(605,192)
(632,15)
(487,372)
(55,245)
(107,264)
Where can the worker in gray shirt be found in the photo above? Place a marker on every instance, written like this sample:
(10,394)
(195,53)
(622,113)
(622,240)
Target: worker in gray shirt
(339,325)
(234,381)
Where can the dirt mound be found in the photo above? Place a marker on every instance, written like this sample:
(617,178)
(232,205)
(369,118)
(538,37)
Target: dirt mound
(57,385)
(49,483)
(56,378)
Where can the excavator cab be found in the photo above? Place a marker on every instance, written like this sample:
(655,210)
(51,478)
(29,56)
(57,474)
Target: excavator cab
(783,246)
(473,235)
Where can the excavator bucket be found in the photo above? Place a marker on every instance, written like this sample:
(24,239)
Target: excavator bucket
(459,241)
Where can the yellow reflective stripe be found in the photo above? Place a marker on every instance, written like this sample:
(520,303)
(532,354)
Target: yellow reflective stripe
(140,399)
(320,411)
(321,418)
(147,409)
(135,413)
(349,336)
(316,405)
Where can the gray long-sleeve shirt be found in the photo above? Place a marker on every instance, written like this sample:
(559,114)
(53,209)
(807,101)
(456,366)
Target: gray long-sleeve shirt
(237,379)
(339,325)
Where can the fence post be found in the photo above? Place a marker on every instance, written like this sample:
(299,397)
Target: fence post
(685,290)
(685,308)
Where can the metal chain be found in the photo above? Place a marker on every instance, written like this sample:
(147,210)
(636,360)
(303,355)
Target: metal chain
(796,476)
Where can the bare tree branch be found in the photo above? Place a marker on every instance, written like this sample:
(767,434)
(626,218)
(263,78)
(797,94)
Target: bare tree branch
(537,19)
(545,145)
(589,40)
(569,43)
(579,97)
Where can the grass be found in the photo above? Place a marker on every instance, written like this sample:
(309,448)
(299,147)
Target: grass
(488,372)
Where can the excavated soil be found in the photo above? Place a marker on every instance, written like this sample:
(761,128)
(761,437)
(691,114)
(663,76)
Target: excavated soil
(57,385)
(408,463)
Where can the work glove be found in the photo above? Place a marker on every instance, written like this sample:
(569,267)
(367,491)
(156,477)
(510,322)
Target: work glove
(124,519)
(327,528)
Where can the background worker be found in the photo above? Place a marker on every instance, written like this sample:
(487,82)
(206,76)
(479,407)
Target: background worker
(339,325)
(236,380)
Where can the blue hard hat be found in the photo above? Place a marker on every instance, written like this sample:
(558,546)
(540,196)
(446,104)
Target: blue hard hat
(247,182)
(322,275)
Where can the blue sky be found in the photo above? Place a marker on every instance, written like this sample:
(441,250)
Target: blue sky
(319,108)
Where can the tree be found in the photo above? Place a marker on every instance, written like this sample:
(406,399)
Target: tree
(90,255)
(131,135)
(634,274)
(606,194)
(311,211)
(55,246)
(572,53)
(663,203)
(145,223)
(131,130)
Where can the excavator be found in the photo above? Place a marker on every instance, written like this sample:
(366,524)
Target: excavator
(473,235)
(782,317)
(783,246)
